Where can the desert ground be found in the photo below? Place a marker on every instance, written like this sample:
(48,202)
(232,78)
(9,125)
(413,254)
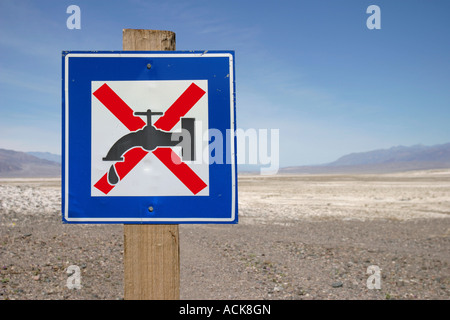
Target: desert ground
(298,237)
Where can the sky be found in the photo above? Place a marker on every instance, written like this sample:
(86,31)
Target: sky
(311,68)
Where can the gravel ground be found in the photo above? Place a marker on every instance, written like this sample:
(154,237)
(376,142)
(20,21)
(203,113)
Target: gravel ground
(318,245)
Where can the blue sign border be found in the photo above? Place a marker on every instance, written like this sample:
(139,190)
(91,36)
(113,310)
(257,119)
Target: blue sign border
(79,69)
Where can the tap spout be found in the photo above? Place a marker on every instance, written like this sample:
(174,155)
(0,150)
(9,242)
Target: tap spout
(127,142)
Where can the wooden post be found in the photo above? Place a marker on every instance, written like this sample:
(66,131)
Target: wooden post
(151,252)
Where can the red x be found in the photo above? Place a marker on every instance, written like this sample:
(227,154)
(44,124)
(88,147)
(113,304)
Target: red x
(167,156)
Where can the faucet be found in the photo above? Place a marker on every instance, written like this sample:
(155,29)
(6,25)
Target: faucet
(149,138)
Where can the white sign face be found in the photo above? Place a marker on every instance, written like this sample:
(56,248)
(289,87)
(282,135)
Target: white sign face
(150,176)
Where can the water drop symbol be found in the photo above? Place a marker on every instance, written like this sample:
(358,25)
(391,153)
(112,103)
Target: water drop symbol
(113,178)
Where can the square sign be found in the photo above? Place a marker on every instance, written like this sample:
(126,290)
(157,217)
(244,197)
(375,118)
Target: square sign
(149,137)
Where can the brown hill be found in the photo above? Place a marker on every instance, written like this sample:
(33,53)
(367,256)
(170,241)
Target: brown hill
(16,164)
(395,159)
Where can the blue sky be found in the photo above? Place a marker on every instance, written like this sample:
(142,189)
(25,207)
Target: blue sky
(309,68)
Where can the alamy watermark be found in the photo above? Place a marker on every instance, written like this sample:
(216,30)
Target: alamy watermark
(374,280)
(374,20)
(259,147)
(74,20)
(74,280)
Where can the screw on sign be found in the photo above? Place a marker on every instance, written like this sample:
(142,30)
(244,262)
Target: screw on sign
(129,150)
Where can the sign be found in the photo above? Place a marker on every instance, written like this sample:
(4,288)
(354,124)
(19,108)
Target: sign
(140,137)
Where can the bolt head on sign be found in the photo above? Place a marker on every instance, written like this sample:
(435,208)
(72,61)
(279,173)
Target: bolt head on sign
(136,138)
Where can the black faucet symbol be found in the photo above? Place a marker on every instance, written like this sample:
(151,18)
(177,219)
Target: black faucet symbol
(150,138)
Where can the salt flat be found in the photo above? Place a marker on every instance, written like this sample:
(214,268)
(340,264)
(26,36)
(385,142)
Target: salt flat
(400,196)
(298,237)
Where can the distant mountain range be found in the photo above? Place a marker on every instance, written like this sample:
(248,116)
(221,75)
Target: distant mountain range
(395,159)
(46,156)
(15,164)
